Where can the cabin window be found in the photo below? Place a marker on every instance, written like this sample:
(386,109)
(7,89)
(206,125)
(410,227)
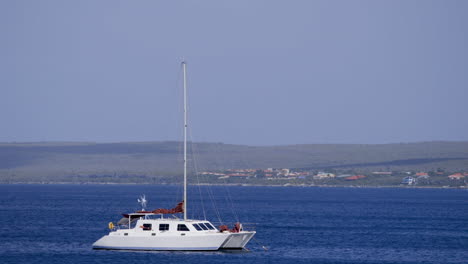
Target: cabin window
(163,227)
(209,226)
(197,227)
(203,226)
(181,227)
(147,227)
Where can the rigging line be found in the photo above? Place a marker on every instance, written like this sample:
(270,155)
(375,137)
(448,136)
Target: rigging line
(211,195)
(229,197)
(209,190)
(218,164)
(208,187)
(195,168)
(195,162)
(213,203)
(230,201)
(252,153)
(258,242)
(236,216)
(224,180)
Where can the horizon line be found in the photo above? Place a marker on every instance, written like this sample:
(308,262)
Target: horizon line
(212,142)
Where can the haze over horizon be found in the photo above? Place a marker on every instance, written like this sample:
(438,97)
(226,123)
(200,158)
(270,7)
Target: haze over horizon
(260,72)
(52,143)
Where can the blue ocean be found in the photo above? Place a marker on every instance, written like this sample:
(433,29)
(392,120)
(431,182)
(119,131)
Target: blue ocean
(59,223)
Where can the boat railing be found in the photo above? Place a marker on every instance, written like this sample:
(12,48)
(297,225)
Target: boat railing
(245,226)
(249,226)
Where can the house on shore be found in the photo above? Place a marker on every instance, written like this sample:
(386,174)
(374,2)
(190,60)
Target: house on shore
(457,176)
(422,175)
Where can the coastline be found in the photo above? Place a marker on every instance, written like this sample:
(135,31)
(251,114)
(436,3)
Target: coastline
(241,185)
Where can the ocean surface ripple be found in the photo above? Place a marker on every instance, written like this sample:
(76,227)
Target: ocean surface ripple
(59,223)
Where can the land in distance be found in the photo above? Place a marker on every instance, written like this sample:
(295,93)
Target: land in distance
(161,162)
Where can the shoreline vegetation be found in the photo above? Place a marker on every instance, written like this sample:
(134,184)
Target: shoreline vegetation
(424,164)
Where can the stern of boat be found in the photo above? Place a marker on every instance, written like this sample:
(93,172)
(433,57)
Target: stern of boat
(237,240)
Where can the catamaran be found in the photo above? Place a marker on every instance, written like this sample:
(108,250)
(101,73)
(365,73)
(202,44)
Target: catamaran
(153,230)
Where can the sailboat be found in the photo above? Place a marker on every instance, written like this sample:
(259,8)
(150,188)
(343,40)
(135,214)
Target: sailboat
(153,230)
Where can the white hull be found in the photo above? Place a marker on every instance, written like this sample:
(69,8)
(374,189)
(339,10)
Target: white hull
(172,239)
(208,242)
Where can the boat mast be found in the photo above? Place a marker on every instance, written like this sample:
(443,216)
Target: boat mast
(184,66)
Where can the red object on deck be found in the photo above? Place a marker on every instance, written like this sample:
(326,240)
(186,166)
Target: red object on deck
(223,228)
(178,209)
(236,229)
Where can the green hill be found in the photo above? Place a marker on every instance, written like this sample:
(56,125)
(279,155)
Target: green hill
(140,161)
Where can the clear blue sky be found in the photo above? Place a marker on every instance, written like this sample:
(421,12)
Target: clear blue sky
(260,72)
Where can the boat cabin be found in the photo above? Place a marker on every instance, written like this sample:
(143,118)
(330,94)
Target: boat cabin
(149,222)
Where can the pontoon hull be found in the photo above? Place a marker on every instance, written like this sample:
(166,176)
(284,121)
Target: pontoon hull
(206,242)
(238,240)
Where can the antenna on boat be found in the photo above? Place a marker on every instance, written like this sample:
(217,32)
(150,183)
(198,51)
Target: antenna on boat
(184,66)
(142,200)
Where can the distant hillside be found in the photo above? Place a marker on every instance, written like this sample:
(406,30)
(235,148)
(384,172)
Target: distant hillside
(71,161)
